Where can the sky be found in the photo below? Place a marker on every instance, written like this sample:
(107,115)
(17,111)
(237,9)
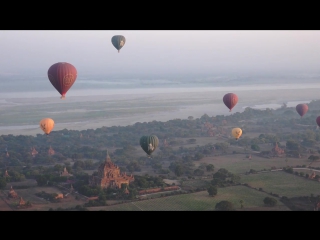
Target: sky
(156,53)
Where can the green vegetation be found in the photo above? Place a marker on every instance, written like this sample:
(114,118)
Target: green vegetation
(199,153)
(270,201)
(198,201)
(282,184)
(224,206)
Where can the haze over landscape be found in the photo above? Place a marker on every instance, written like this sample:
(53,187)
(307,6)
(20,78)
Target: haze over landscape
(158,75)
(156,54)
(197,66)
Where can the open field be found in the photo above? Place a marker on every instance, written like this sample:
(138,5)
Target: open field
(39,204)
(239,164)
(200,201)
(282,183)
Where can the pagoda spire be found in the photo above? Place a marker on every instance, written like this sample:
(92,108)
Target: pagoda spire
(22,202)
(108,159)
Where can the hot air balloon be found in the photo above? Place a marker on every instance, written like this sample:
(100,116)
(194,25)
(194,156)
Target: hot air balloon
(230,100)
(118,41)
(236,132)
(46,125)
(62,76)
(149,143)
(302,109)
(318,121)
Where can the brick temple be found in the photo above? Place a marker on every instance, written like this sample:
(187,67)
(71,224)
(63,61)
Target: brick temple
(109,176)
(34,152)
(12,193)
(65,173)
(6,174)
(50,151)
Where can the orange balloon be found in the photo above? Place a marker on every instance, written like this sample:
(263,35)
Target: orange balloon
(46,125)
(236,133)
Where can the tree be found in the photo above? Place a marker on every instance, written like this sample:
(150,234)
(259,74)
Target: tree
(224,206)
(288,169)
(223,146)
(198,156)
(132,193)
(222,174)
(292,145)
(102,197)
(313,158)
(198,172)
(205,117)
(41,180)
(212,190)
(210,167)
(178,170)
(191,140)
(270,201)
(255,147)
(3,183)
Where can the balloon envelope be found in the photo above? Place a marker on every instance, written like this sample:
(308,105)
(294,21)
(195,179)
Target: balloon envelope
(118,41)
(302,109)
(62,76)
(46,125)
(230,100)
(149,143)
(318,121)
(236,133)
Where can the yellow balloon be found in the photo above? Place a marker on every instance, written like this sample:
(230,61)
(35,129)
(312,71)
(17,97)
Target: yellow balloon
(46,125)
(236,132)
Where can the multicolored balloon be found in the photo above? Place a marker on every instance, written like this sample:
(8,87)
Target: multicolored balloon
(149,143)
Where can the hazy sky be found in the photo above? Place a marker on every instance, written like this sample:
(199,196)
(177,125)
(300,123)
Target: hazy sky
(148,53)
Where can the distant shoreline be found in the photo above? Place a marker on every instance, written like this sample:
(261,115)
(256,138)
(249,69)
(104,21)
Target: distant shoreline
(79,126)
(20,116)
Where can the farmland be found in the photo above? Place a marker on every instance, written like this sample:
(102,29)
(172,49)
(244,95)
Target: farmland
(257,170)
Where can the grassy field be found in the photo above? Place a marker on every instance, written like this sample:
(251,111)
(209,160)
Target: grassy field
(283,184)
(239,164)
(200,201)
